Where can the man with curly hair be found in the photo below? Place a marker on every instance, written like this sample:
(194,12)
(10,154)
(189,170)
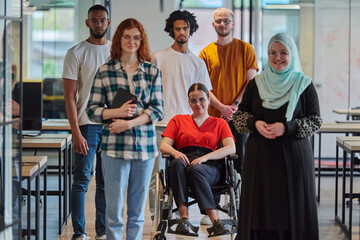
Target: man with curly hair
(180,69)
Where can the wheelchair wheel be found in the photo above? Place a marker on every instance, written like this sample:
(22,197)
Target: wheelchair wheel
(237,189)
(159,202)
(233,207)
(159,237)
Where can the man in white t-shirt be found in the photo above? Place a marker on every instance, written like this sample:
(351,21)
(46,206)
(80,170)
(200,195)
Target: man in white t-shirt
(80,66)
(180,68)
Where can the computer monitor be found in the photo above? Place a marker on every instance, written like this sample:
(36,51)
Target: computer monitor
(32,105)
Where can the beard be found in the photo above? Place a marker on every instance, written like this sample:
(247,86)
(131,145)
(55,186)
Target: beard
(98,36)
(223,34)
(181,42)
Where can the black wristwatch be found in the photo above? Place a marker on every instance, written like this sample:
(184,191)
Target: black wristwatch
(236,103)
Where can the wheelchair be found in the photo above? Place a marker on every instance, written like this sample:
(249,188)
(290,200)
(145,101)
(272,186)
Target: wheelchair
(162,219)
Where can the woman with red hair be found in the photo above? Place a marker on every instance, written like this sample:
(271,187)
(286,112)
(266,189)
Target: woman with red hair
(129,140)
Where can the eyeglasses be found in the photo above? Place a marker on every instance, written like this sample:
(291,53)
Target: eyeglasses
(96,21)
(275,53)
(135,38)
(225,21)
(194,101)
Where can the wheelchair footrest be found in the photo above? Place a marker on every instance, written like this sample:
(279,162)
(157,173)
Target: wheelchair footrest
(232,224)
(193,228)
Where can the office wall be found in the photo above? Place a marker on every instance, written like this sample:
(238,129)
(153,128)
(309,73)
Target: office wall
(149,14)
(355,54)
(306,38)
(336,60)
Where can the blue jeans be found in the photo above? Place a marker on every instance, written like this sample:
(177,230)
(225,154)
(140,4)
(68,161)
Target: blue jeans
(82,172)
(120,174)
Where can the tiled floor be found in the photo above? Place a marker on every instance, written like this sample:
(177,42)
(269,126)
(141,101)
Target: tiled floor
(327,227)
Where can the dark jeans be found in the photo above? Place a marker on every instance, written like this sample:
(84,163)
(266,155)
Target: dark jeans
(198,177)
(82,171)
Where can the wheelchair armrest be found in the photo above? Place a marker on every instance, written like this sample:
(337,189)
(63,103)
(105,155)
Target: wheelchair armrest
(230,170)
(165,155)
(167,158)
(232,157)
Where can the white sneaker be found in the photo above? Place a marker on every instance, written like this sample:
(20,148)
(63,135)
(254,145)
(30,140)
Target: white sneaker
(81,237)
(100,237)
(205,220)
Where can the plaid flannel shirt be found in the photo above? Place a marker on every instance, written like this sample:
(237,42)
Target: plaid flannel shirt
(137,143)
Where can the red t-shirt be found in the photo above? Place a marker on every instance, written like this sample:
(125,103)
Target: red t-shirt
(185,132)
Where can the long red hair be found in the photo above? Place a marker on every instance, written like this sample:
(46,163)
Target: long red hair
(144,49)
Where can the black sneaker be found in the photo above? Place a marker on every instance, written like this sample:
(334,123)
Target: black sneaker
(220,228)
(356,161)
(182,227)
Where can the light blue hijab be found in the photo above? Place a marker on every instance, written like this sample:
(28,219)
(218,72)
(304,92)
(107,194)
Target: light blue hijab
(279,87)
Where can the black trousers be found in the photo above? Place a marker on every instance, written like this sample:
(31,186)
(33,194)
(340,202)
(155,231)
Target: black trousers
(241,140)
(198,177)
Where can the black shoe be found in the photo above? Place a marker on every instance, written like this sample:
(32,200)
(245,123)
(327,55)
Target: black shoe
(220,228)
(356,161)
(182,227)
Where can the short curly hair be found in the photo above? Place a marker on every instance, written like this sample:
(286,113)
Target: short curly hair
(188,17)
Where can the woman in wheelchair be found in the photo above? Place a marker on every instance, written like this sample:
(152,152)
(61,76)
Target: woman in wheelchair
(194,140)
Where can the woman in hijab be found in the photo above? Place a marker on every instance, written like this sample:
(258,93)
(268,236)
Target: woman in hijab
(280,110)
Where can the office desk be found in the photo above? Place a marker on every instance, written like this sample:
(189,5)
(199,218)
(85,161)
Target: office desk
(350,145)
(354,113)
(31,168)
(351,111)
(68,179)
(60,146)
(345,128)
(56,125)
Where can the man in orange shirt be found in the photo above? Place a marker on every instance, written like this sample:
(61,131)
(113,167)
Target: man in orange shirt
(231,64)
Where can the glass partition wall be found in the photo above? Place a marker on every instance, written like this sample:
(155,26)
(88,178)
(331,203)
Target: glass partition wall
(10,115)
(35,36)
(336,60)
(326,33)
(244,19)
(45,30)
(50,29)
